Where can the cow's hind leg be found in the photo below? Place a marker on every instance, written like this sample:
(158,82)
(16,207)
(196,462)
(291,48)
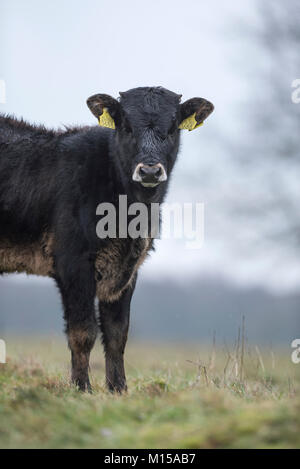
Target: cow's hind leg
(78,294)
(114,323)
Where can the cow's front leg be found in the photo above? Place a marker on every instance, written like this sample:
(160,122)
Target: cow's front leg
(114,323)
(81,339)
(78,295)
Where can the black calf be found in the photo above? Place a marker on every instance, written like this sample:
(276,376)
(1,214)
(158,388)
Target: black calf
(50,185)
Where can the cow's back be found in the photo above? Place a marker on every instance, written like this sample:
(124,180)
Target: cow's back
(44,180)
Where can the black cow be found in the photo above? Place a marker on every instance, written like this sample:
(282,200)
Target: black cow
(50,185)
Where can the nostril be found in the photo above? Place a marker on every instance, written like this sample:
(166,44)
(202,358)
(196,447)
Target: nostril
(144,170)
(157,172)
(150,171)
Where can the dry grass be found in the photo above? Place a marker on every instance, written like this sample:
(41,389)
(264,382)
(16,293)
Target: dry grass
(181,397)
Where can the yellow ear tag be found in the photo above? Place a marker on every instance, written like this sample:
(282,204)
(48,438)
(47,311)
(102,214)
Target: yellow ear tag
(105,120)
(190,123)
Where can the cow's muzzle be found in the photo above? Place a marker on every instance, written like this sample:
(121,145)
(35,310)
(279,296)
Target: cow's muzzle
(149,175)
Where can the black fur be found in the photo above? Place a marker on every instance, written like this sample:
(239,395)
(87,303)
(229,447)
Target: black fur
(50,185)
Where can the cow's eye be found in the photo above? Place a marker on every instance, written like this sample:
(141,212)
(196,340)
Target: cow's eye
(173,127)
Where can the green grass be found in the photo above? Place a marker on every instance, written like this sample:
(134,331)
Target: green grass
(188,397)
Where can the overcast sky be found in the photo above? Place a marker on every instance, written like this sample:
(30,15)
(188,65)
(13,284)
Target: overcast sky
(56,54)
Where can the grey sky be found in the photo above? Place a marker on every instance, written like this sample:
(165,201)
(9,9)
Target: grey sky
(53,55)
(57,53)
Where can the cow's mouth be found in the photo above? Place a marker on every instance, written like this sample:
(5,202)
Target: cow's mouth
(150,184)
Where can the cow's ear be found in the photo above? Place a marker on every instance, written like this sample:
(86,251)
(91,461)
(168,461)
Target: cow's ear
(105,109)
(193,112)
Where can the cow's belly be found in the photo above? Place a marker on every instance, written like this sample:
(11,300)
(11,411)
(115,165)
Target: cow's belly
(117,264)
(35,258)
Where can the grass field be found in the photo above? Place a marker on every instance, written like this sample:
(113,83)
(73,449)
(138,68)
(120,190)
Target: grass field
(179,397)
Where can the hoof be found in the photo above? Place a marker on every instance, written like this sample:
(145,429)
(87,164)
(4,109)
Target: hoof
(83,386)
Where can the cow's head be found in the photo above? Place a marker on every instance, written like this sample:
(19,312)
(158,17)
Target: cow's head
(147,122)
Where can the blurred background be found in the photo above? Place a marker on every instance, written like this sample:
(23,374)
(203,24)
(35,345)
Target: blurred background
(243,164)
